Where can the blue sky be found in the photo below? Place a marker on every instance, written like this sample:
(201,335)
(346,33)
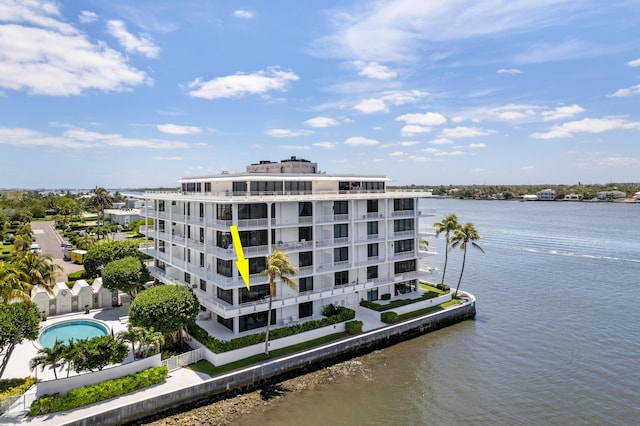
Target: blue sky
(129,94)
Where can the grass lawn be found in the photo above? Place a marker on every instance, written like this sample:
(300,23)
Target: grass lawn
(429,287)
(208,368)
(429,310)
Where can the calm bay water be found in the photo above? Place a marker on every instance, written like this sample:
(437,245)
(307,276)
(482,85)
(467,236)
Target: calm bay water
(556,339)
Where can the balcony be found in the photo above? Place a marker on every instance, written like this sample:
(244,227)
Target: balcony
(410,233)
(403,213)
(253,223)
(294,245)
(330,242)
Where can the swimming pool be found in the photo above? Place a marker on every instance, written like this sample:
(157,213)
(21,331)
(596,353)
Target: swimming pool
(71,329)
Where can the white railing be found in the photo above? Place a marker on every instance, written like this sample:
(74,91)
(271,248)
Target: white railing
(187,358)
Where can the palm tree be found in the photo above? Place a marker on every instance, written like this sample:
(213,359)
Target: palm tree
(100,200)
(49,357)
(22,243)
(151,342)
(85,242)
(34,270)
(448,225)
(13,284)
(278,265)
(423,245)
(463,236)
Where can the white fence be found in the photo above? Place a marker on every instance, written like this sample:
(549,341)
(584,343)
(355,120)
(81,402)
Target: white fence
(17,402)
(187,358)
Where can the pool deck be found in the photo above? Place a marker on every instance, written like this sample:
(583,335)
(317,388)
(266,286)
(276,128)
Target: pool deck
(18,366)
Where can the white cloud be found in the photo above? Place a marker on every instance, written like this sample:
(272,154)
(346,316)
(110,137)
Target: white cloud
(321,122)
(511,71)
(477,145)
(449,154)
(371,106)
(397,30)
(142,44)
(561,51)
(326,145)
(464,132)
(243,14)
(45,56)
(397,154)
(420,158)
(409,143)
(587,125)
(238,85)
(160,158)
(424,119)
(87,17)
(287,133)
(441,141)
(402,97)
(527,168)
(634,63)
(412,129)
(561,113)
(175,129)
(374,70)
(77,138)
(509,113)
(629,91)
(360,141)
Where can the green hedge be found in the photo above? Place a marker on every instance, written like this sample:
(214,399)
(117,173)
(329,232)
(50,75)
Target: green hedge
(397,303)
(11,387)
(443,287)
(389,317)
(386,296)
(353,327)
(99,392)
(219,346)
(75,276)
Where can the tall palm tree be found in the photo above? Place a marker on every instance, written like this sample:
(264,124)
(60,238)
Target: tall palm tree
(34,270)
(278,265)
(13,284)
(448,225)
(85,242)
(101,199)
(49,357)
(22,243)
(463,236)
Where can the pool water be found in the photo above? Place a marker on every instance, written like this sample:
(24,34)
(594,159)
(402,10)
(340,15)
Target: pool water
(73,329)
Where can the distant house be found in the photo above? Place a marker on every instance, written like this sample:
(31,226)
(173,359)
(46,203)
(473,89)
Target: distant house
(547,195)
(529,197)
(610,195)
(122,216)
(636,195)
(572,197)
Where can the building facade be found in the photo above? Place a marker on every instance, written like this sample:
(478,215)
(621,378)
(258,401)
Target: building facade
(349,237)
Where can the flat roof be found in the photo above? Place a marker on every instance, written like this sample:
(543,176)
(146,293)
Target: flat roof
(284,177)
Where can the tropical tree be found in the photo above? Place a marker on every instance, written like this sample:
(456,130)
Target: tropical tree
(132,336)
(463,236)
(50,357)
(85,242)
(278,265)
(13,284)
(18,321)
(127,274)
(98,352)
(423,245)
(22,243)
(448,225)
(101,199)
(34,270)
(143,341)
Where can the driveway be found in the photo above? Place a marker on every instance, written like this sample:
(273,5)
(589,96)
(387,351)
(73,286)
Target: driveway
(49,241)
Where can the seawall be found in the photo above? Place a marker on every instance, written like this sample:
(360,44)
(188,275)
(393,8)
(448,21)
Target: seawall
(273,371)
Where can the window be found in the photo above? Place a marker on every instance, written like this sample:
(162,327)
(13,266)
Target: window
(202,260)
(187,277)
(227,322)
(341,254)
(340,207)
(403,204)
(257,320)
(305,258)
(207,187)
(305,209)
(341,278)
(372,250)
(223,211)
(258,292)
(403,246)
(341,230)
(203,285)
(239,188)
(372,205)
(161,225)
(224,267)
(400,225)
(372,295)
(305,233)
(257,265)
(372,228)
(202,235)
(161,246)
(160,205)
(201,208)
(254,238)
(372,272)
(223,239)
(225,295)
(299,187)
(404,266)
(374,186)
(305,309)
(343,186)
(274,187)
(305,284)
(252,211)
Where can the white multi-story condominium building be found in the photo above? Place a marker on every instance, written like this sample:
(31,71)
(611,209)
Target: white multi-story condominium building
(348,235)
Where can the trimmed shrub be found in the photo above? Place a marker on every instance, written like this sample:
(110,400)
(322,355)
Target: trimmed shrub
(386,296)
(353,327)
(99,392)
(72,277)
(397,303)
(219,346)
(389,317)
(11,387)
(443,287)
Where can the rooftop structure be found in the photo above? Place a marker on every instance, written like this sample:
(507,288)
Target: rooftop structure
(349,236)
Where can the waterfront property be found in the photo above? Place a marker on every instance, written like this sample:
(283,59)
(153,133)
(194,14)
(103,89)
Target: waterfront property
(349,237)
